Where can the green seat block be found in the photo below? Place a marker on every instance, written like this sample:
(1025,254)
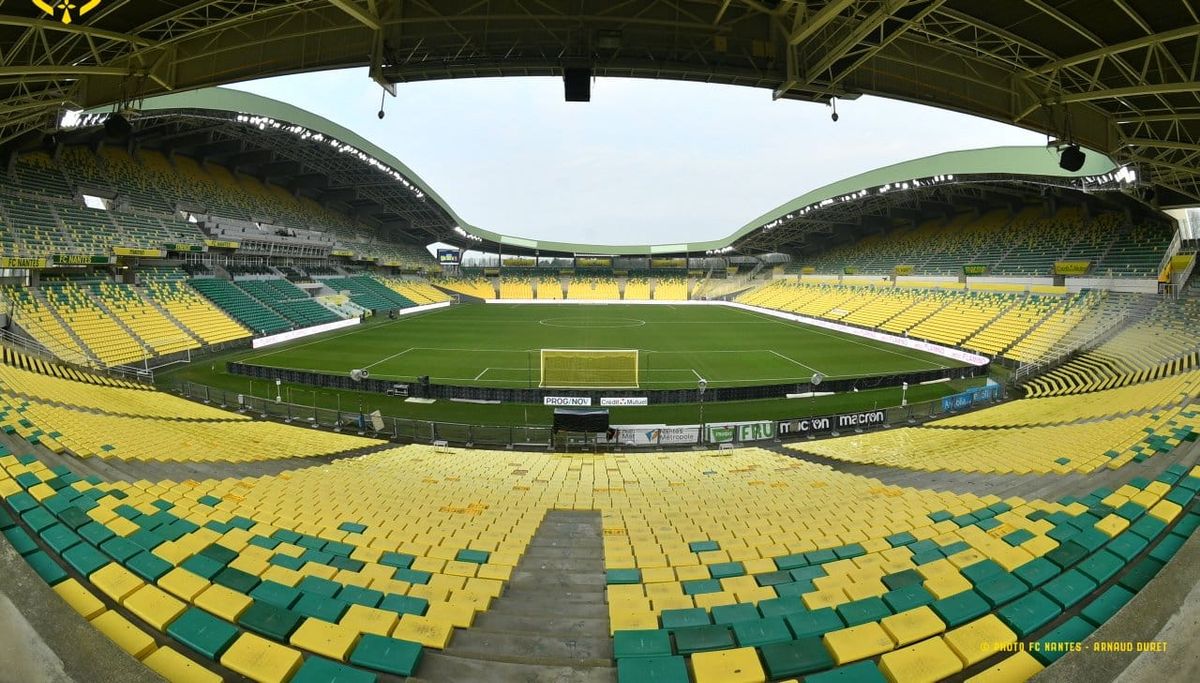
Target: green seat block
(806,573)
(1091,539)
(1001,588)
(274,593)
(1148,527)
(1140,574)
(850,550)
(120,549)
(960,608)
(404,604)
(1068,588)
(149,567)
(901,538)
(620,576)
(22,502)
(203,632)
(476,556)
(6,520)
(269,621)
(293,563)
(1107,604)
(1029,613)
(318,586)
(46,567)
(321,670)
(394,559)
(321,607)
(1167,547)
(352,527)
(1130,510)
(412,575)
(1060,640)
(683,618)
(729,614)
(652,670)
(789,562)
(59,538)
(236,579)
(357,595)
(38,518)
(701,587)
(21,541)
(85,559)
(858,672)
(773,578)
(703,638)
(794,589)
(642,643)
(1127,545)
(982,570)
(1067,554)
(1036,572)
(703,546)
(725,570)
(758,632)
(264,542)
(390,655)
(903,579)
(795,658)
(1180,496)
(219,553)
(862,611)
(1186,525)
(202,566)
(75,518)
(782,606)
(908,597)
(1101,566)
(818,622)
(820,556)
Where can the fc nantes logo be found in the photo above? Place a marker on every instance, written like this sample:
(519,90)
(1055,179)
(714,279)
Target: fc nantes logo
(66,11)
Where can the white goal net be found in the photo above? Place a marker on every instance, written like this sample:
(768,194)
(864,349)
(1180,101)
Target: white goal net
(589,369)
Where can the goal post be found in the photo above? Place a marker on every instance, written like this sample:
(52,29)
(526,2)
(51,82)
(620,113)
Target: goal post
(589,369)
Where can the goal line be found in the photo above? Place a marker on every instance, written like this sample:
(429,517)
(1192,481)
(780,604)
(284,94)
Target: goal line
(589,369)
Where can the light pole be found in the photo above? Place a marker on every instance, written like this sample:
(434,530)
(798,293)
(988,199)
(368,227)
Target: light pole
(903,394)
(278,390)
(702,385)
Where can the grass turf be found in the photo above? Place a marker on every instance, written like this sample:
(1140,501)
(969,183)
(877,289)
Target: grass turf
(456,327)
(498,345)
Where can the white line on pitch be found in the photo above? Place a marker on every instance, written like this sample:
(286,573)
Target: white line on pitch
(806,367)
(394,355)
(846,337)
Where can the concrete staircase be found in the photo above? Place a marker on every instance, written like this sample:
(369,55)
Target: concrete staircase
(551,624)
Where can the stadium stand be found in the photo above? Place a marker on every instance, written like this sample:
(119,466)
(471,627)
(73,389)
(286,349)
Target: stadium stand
(143,319)
(417,291)
(247,311)
(168,288)
(288,300)
(549,288)
(368,292)
(1021,245)
(104,338)
(515,288)
(268,577)
(637,289)
(479,288)
(41,323)
(585,289)
(670,289)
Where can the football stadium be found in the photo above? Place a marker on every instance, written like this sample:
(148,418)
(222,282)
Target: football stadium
(272,410)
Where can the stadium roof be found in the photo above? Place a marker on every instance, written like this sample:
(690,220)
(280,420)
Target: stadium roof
(1119,76)
(314,156)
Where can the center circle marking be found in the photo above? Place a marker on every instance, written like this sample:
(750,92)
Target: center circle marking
(601,323)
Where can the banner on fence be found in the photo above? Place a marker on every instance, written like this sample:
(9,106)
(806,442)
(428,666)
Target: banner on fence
(567,401)
(970,397)
(830,423)
(740,432)
(904,270)
(656,435)
(975,269)
(1071,267)
(624,401)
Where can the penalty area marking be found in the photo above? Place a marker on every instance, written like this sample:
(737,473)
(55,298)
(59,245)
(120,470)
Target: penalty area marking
(624,322)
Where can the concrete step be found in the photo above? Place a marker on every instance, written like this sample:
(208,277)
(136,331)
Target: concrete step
(563,564)
(568,625)
(564,649)
(439,667)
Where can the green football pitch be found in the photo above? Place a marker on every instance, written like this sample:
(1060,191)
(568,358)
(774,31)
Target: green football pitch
(498,345)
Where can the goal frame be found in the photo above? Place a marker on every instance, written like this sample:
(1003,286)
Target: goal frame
(637,357)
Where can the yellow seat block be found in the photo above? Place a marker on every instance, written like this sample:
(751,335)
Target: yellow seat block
(711,600)
(365,619)
(756,595)
(428,564)
(461,615)
(980,639)
(176,668)
(631,619)
(79,598)
(182,584)
(1165,511)
(1015,669)
(966,558)
(115,581)
(826,598)
(1146,499)
(926,662)
(495,571)
(121,631)
(940,567)
(430,593)
(329,640)
(283,575)
(740,665)
(121,526)
(486,587)
(261,660)
(430,633)
(866,589)
(154,606)
(1039,545)
(912,625)
(456,568)
(664,590)
(672,602)
(692,573)
(1113,525)
(447,582)
(658,575)
(759,565)
(624,591)
(858,642)
(946,585)
(223,602)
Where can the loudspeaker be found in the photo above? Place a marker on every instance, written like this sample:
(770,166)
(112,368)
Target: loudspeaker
(1072,158)
(577,83)
(423,380)
(117,127)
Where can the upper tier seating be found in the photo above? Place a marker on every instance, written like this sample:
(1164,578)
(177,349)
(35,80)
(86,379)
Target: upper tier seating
(105,339)
(479,288)
(549,288)
(670,289)
(168,287)
(417,291)
(516,288)
(593,289)
(1026,244)
(637,289)
(289,301)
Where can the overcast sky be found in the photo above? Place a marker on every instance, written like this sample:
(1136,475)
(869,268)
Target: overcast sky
(644,161)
